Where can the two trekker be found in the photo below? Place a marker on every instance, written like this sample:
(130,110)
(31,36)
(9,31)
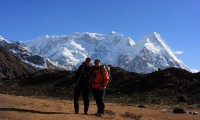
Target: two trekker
(98,76)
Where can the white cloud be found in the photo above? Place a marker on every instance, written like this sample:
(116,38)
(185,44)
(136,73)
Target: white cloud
(178,52)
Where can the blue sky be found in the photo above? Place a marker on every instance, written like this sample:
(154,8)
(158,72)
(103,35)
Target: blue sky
(177,21)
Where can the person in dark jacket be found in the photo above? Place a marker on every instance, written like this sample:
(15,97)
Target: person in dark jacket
(81,85)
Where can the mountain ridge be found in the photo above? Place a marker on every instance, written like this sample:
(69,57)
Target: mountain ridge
(113,48)
(69,51)
(21,51)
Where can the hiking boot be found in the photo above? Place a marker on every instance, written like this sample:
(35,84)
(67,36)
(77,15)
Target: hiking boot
(85,113)
(99,114)
(96,114)
(76,111)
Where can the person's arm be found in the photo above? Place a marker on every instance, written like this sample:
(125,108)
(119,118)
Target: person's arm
(105,77)
(78,74)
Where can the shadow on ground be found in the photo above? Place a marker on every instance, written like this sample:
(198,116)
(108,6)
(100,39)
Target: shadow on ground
(30,111)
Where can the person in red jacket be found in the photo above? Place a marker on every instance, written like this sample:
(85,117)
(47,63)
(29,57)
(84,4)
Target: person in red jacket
(100,79)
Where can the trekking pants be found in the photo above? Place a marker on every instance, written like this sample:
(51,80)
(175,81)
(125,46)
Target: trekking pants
(99,98)
(84,89)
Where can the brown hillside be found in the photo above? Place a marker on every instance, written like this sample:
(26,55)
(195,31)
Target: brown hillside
(171,85)
(12,67)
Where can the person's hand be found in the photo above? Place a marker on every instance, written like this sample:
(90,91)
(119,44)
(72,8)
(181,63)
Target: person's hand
(102,88)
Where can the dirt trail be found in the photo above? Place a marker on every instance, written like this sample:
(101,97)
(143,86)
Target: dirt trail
(29,108)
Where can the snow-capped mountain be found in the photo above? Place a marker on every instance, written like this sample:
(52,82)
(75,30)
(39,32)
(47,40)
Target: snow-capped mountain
(21,51)
(151,53)
(69,51)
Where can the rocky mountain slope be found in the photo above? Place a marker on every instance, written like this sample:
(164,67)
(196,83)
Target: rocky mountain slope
(11,67)
(22,52)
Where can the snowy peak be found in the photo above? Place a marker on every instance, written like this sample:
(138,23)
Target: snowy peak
(115,38)
(151,53)
(156,44)
(153,38)
(3,40)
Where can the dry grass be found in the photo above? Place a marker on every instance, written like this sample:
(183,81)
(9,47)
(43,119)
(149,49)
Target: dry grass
(27,108)
(132,116)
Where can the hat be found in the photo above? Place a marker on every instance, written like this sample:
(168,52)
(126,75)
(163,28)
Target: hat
(87,59)
(97,60)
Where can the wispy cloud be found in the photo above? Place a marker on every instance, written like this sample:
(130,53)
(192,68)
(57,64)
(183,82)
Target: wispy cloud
(178,52)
